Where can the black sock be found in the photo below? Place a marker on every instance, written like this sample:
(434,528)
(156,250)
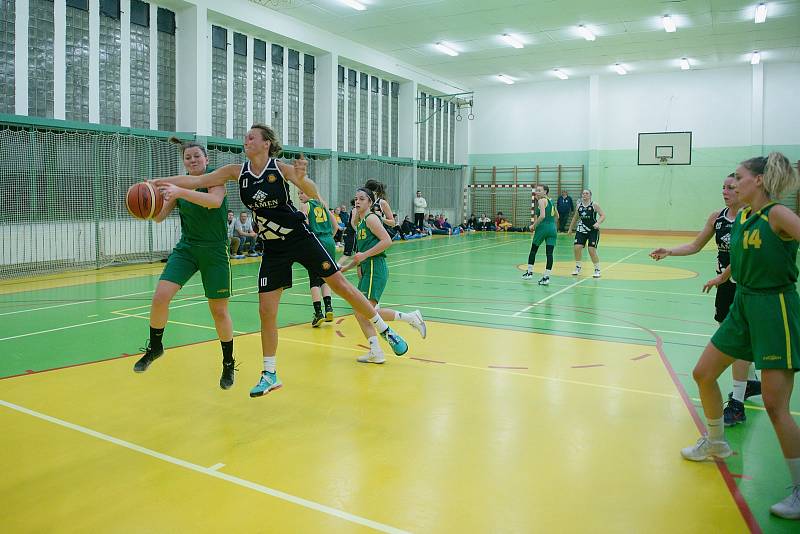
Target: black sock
(155,338)
(318,308)
(327,301)
(227,350)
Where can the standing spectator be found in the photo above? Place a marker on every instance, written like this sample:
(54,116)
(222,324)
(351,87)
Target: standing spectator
(244,229)
(233,240)
(419,209)
(564,206)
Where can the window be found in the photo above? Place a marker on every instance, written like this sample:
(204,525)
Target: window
(352,95)
(76,97)
(219,81)
(363,118)
(277,90)
(308,100)
(239,85)
(384,118)
(7,18)
(293,89)
(374,115)
(340,103)
(40,59)
(395,122)
(110,58)
(259,81)
(140,64)
(165,74)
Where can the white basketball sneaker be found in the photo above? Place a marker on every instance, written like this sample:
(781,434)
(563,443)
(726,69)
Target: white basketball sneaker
(788,508)
(418,323)
(596,273)
(705,449)
(372,357)
(577,270)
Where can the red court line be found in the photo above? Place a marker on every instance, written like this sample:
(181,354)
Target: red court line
(424,360)
(741,503)
(340,321)
(642,357)
(339,333)
(32,372)
(590,365)
(363,346)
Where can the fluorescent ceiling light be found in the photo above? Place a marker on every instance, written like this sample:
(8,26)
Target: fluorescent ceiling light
(560,74)
(669,24)
(511,40)
(586,33)
(755,58)
(620,69)
(505,79)
(355,4)
(761,13)
(446,49)
(685,64)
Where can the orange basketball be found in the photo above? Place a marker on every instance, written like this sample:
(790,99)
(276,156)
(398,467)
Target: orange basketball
(143,200)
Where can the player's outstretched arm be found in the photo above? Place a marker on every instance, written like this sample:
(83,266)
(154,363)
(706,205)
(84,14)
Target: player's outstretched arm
(694,247)
(214,178)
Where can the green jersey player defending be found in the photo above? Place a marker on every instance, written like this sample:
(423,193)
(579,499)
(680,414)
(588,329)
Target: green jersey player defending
(763,325)
(322,224)
(372,240)
(203,247)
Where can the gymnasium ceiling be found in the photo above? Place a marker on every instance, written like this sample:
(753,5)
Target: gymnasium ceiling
(710,33)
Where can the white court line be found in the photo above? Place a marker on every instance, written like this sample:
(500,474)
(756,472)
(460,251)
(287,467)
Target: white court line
(582,280)
(593,288)
(216,467)
(209,471)
(61,328)
(548,319)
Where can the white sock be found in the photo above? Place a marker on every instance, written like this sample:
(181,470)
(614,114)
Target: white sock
(577,265)
(400,316)
(716,431)
(269,363)
(596,266)
(794,470)
(374,346)
(547,273)
(530,267)
(739,386)
(379,323)
(751,372)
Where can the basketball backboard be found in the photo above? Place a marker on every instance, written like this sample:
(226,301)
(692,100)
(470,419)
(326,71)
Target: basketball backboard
(665,148)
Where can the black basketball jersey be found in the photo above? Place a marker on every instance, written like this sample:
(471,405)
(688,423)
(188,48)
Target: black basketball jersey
(267,196)
(587,217)
(722,235)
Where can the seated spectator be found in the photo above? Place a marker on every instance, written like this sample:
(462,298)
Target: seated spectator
(501,223)
(233,241)
(472,222)
(407,227)
(247,237)
(485,223)
(337,213)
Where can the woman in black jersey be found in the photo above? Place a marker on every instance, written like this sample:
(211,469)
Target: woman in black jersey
(381,206)
(718,226)
(590,216)
(264,189)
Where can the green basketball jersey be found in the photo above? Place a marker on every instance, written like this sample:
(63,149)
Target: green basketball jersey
(549,213)
(203,226)
(318,218)
(761,261)
(365,239)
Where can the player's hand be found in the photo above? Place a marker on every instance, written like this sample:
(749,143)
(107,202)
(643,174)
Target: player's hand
(596,226)
(714,282)
(301,165)
(532,227)
(170,191)
(660,253)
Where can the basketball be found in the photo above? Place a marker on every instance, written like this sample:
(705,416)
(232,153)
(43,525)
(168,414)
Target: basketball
(143,200)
